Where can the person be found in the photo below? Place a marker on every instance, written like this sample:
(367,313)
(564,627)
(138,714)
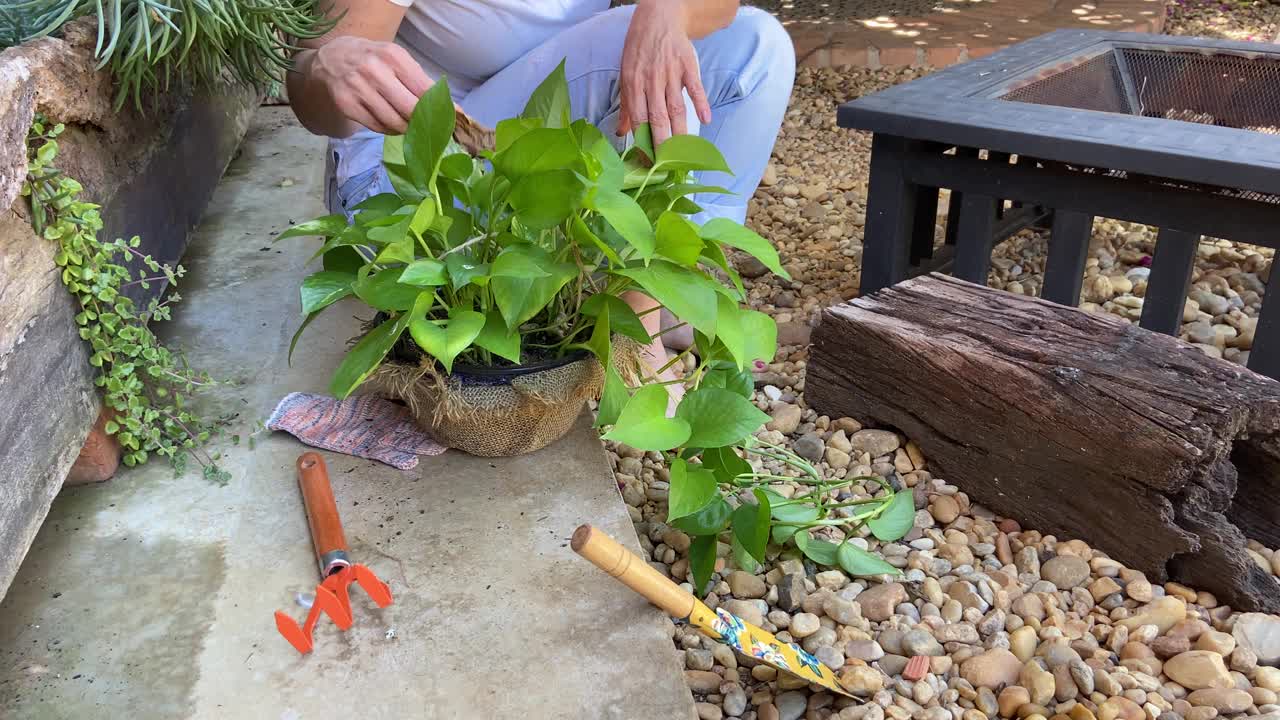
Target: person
(708,67)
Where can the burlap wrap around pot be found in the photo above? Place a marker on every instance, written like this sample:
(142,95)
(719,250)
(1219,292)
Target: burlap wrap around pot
(494,412)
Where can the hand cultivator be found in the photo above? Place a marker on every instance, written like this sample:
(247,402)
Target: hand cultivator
(336,569)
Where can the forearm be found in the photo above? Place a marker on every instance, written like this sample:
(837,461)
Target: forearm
(702,17)
(376,20)
(312,103)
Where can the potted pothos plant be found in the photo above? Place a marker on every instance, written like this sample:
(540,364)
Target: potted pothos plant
(482,267)
(496,286)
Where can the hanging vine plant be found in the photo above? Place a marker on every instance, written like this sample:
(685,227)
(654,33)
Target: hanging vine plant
(145,385)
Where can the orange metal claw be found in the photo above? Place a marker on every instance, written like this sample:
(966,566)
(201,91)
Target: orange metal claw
(333,599)
(332,595)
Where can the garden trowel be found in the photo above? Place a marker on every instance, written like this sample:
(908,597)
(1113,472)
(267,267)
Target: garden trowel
(605,553)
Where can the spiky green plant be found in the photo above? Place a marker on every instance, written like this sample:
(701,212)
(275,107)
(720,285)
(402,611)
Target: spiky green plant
(148,44)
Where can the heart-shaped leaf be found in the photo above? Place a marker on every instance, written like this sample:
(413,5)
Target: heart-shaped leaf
(327,226)
(751,525)
(761,336)
(383,291)
(689,296)
(690,152)
(366,355)
(692,487)
(424,273)
(520,261)
(819,551)
(613,399)
(626,217)
(678,240)
(727,232)
(622,319)
(708,520)
(430,129)
(497,339)
(445,340)
(550,100)
(520,298)
(644,425)
(725,463)
(719,417)
(858,562)
(322,289)
(546,199)
(896,519)
(702,562)
(787,511)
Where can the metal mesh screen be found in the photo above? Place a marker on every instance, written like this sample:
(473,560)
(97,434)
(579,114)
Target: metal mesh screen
(1087,84)
(1209,88)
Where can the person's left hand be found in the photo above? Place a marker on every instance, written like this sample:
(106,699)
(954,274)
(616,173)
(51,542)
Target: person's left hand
(658,64)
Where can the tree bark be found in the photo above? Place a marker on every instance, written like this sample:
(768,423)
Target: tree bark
(1074,423)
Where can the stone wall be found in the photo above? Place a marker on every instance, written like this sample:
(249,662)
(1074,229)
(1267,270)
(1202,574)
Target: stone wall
(152,171)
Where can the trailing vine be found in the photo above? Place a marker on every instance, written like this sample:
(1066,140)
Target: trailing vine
(145,384)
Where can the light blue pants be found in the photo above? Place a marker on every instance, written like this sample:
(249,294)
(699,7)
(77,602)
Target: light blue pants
(747,72)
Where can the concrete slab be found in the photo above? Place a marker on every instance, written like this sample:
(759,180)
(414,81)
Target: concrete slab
(151,596)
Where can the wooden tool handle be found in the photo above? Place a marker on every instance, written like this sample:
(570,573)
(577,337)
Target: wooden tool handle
(322,513)
(605,553)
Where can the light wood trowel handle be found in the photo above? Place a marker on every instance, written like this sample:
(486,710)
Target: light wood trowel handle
(605,553)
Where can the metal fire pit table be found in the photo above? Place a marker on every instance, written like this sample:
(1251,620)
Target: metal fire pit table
(1179,133)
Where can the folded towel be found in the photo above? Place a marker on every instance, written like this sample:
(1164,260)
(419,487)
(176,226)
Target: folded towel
(365,426)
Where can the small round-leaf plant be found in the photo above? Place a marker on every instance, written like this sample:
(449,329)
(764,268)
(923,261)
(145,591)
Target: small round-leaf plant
(524,254)
(145,384)
(147,44)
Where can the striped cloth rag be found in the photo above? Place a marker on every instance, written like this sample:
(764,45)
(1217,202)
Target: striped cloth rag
(366,426)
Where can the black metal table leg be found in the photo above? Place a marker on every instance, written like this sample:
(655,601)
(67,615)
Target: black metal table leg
(891,200)
(956,198)
(922,227)
(1264,357)
(974,237)
(1068,251)
(1170,280)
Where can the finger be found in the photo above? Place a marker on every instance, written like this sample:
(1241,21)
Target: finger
(659,121)
(639,113)
(386,116)
(676,110)
(354,102)
(407,70)
(399,97)
(693,84)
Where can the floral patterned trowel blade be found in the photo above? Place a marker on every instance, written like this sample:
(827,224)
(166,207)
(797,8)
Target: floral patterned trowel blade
(608,555)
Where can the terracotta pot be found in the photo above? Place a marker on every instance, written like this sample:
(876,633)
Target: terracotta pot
(100,457)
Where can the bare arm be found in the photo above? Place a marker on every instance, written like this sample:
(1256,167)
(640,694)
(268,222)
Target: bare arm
(355,75)
(659,63)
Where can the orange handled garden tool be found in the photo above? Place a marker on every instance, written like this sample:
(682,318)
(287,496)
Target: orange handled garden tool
(331,550)
(605,553)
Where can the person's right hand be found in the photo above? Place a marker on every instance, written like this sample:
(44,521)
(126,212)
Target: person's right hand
(376,84)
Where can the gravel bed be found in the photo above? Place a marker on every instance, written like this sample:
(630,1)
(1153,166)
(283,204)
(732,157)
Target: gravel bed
(1012,623)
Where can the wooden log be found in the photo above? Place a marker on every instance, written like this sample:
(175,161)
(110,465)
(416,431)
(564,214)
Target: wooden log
(1074,423)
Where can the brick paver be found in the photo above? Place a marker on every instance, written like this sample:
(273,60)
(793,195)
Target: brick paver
(956,30)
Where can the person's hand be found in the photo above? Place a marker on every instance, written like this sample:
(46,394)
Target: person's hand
(658,63)
(376,84)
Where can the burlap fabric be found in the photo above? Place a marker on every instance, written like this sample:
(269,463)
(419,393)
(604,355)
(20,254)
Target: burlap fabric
(493,417)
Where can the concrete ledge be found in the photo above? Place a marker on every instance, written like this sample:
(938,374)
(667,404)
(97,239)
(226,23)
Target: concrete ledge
(152,596)
(153,173)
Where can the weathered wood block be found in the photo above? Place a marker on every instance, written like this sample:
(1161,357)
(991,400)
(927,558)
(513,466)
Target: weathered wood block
(1074,423)
(153,173)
